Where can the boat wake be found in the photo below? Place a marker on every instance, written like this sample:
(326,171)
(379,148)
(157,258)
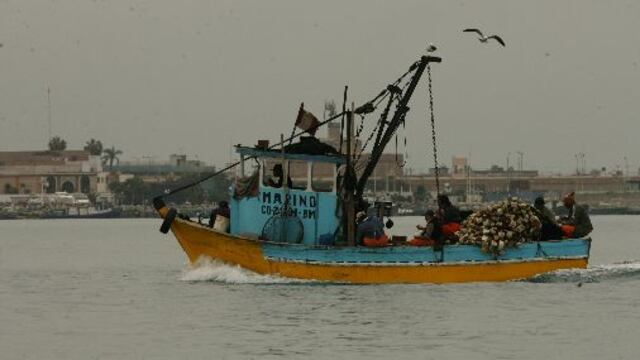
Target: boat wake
(207,270)
(627,270)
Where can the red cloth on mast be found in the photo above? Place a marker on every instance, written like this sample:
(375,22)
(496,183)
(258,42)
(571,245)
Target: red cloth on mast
(307,121)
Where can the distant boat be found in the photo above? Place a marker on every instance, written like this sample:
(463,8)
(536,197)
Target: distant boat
(97,214)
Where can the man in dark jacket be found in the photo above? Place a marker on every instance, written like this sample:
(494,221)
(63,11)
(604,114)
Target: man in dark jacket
(368,226)
(577,223)
(550,229)
(449,215)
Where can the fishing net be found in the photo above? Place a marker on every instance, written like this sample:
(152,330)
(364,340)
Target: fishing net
(501,225)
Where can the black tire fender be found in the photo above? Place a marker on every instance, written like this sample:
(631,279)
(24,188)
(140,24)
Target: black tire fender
(168,220)
(389,224)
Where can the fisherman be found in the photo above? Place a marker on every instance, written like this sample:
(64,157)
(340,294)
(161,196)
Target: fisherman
(577,224)
(550,229)
(276,180)
(449,215)
(429,233)
(370,230)
(220,216)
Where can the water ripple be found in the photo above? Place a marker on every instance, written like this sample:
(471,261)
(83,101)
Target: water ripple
(628,270)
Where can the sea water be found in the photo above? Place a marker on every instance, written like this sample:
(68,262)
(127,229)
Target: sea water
(119,289)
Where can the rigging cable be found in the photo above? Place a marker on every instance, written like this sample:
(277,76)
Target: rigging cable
(361,127)
(381,121)
(168,192)
(294,135)
(435,154)
(433,131)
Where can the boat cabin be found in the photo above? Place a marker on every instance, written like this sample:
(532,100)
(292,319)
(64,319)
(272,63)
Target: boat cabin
(303,209)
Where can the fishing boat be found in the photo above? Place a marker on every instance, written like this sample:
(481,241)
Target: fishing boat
(89,213)
(306,229)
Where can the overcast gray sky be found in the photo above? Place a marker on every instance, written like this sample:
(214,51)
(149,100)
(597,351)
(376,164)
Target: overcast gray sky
(158,77)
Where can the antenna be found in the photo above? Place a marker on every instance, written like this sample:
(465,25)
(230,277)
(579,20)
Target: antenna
(49,109)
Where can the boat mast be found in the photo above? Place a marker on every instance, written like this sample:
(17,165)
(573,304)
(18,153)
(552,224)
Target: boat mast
(350,174)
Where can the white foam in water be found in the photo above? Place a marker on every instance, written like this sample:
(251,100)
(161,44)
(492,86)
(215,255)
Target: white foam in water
(624,268)
(592,274)
(206,269)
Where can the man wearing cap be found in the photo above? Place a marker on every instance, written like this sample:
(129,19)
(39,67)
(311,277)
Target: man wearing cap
(577,223)
(370,229)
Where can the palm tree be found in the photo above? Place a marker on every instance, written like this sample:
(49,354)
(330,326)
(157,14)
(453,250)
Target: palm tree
(57,144)
(111,155)
(94,147)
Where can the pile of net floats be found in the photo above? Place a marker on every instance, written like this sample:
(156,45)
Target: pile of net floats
(501,225)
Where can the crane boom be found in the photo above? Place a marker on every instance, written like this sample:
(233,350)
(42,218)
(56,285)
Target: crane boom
(394,123)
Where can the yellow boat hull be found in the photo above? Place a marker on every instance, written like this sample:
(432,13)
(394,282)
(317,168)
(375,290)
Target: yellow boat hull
(199,241)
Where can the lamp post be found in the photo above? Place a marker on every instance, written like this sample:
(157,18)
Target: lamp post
(580,163)
(520,160)
(626,174)
(508,174)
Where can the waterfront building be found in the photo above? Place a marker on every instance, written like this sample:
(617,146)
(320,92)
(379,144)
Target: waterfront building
(40,172)
(178,165)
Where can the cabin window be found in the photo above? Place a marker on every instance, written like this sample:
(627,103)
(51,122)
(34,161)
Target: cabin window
(247,167)
(241,169)
(322,176)
(299,174)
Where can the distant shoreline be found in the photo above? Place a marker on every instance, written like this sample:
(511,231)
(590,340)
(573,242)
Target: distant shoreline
(602,212)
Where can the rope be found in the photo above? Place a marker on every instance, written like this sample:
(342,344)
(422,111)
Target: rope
(383,93)
(540,251)
(383,116)
(361,127)
(435,147)
(433,131)
(379,125)
(396,152)
(381,99)
(362,148)
(293,131)
(406,150)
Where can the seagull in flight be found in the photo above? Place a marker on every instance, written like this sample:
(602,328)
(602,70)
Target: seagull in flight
(484,39)
(431,48)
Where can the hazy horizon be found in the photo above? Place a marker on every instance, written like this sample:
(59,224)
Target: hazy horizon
(159,77)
